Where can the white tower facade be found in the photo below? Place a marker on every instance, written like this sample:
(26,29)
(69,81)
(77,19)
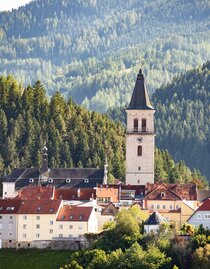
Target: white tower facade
(140,136)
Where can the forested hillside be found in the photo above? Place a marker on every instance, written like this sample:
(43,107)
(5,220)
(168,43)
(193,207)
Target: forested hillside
(182,118)
(97,63)
(74,136)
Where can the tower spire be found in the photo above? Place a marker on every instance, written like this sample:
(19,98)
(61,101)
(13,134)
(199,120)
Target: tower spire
(44,167)
(140,98)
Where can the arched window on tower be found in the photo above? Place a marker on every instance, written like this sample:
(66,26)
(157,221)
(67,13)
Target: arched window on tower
(139,150)
(135,125)
(144,125)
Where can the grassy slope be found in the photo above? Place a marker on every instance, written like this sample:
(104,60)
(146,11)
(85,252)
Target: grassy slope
(33,259)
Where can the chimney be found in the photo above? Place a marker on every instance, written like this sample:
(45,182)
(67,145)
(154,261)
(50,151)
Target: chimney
(105,172)
(78,193)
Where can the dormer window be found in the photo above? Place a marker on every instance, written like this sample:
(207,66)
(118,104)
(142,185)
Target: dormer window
(81,217)
(39,208)
(68,180)
(31,180)
(71,216)
(50,180)
(162,194)
(86,180)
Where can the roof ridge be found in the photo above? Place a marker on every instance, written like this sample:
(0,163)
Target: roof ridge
(26,169)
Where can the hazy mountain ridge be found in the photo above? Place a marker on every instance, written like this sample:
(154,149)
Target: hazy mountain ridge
(113,38)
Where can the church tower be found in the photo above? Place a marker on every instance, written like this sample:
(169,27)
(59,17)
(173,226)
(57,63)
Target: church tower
(140,136)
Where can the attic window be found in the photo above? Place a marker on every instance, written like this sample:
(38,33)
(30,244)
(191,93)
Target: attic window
(71,216)
(51,210)
(10,208)
(31,180)
(86,180)
(39,208)
(81,217)
(68,180)
(162,194)
(50,180)
(1,207)
(63,217)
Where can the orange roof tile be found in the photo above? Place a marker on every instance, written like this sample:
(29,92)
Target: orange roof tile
(107,192)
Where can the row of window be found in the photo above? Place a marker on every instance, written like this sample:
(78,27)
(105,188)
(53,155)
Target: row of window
(206,216)
(51,232)
(10,217)
(9,234)
(60,226)
(10,226)
(171,207)
(100,199)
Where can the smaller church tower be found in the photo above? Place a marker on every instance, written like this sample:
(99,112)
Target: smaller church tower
(140,136)
(44,168)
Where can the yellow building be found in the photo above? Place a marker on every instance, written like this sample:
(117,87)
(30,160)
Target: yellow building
(175,202)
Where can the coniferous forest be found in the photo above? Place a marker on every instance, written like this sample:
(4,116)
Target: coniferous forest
(97,64)
(74,136)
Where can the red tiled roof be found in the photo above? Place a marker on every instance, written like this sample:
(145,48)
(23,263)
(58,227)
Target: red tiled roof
(9,206)
(75,194)
(39,207)
(171,191)
(205,206)
(74,213)
(34,192)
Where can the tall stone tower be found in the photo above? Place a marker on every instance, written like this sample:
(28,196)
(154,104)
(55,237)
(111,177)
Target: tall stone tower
(140,136)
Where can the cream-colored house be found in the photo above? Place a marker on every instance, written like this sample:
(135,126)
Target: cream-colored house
(75,221)
(175,202)
(37,222)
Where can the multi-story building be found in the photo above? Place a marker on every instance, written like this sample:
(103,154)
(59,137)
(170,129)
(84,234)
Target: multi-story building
(175,202)
(37,222)
(54,177)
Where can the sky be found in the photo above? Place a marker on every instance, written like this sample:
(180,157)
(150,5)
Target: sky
(9,4)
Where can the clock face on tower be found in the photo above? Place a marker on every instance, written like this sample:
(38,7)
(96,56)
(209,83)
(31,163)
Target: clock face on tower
(139,139)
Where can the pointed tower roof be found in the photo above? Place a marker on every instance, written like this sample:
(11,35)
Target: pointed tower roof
(140,98)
